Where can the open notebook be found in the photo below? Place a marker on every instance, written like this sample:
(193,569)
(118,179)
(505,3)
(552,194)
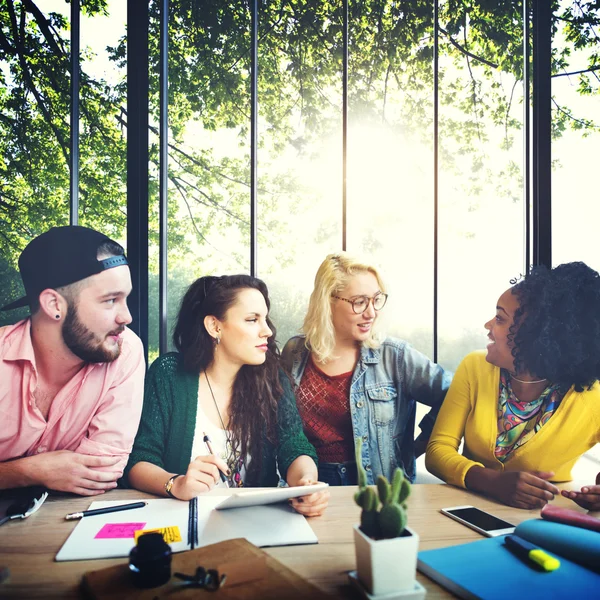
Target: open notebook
(112,535)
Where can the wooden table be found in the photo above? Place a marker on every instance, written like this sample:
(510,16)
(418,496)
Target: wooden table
(28,547)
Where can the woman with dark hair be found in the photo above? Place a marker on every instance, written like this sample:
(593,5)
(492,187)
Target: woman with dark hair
(225,383)
(530,407)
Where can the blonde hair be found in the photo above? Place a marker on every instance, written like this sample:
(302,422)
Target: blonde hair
(332,277)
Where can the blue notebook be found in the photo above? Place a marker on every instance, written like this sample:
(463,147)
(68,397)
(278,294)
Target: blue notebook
(488,570)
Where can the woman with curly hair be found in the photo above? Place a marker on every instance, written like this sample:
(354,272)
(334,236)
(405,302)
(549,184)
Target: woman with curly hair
(530,407)
(351,383)
(224,382)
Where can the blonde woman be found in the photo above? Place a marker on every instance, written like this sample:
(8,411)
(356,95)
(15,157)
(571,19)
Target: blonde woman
(350,384)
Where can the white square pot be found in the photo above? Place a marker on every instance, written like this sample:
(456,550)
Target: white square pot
(386,566)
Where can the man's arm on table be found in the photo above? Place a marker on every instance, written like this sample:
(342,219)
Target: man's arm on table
(102,455)
(62,470)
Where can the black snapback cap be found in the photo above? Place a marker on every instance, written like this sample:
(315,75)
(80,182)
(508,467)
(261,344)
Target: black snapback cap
(61,256)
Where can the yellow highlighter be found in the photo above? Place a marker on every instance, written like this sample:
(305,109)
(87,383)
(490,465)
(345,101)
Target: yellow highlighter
(530,552)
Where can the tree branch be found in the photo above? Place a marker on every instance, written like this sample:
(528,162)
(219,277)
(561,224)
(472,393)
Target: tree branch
(5,44)
(42,23)
(7,205)
(209,199)
(589,70)
(473,84)
(192,159)
(261,38)
(21,51)
(8,120)
(189,208)
(466,52)
(586,124)
(184,198)
(200,164)
(510,101)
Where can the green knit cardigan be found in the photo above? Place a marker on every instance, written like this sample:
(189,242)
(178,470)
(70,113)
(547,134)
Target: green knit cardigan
(166,431)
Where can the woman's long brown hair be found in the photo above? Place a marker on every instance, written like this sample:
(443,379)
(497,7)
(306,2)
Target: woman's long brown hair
(256,389)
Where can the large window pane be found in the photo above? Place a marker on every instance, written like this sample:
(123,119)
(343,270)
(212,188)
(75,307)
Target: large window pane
(35,127)
(575,150)
(390,160)
(209,176)
(576,140)
(103,120)
(34,133)
(300,152)
(481,208)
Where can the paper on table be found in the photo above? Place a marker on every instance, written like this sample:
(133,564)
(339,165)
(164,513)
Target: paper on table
(170,534)
(82,544)
(272,525)
(119,530)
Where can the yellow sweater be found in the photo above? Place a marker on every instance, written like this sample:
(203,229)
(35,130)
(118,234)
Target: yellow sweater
(470,411)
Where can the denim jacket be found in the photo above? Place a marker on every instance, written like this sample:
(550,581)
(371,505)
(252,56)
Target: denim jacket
(386,384)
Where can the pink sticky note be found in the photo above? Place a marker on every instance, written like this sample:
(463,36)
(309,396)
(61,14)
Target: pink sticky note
(119,530)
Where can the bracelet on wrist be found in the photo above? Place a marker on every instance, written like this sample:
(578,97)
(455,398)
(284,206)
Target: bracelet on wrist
(169,486)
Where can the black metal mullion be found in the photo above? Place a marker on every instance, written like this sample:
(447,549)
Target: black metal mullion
(74,142)
(137,163)
(164,177)
(526,138)
(345,124)
(541,144)
(436,82)
(253,137)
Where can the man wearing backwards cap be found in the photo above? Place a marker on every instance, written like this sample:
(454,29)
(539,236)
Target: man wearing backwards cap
(72,374)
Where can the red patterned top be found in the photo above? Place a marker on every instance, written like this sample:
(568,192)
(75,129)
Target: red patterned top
(324,405)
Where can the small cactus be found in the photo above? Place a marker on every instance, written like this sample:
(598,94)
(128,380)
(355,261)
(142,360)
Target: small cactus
(389,519)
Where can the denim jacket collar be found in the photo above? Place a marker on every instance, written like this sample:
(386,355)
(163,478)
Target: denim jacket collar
(370,355)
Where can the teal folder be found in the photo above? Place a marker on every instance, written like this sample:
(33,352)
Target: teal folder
(488,570)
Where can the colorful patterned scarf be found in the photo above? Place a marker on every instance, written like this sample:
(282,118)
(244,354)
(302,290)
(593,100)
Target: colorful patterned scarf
(519,421)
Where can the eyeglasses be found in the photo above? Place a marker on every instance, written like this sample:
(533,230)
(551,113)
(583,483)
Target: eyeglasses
(361,303)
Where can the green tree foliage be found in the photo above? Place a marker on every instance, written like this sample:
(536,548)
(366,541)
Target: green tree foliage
(300,65)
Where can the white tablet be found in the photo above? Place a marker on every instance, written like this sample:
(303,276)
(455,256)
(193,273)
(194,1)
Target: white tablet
(269,495)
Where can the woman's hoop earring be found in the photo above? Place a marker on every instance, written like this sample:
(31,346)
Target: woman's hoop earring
(217,340)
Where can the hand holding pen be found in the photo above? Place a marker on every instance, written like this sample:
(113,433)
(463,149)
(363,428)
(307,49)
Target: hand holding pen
(206,440)
(201,476)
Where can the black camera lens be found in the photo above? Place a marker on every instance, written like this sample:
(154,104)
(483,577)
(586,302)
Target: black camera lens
(150,561)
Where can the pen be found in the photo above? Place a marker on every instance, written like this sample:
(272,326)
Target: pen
(526,550)
(207,442)
(103,511)
(193,523)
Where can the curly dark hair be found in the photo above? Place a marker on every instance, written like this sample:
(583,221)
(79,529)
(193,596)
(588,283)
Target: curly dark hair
(256,389)
(556,329)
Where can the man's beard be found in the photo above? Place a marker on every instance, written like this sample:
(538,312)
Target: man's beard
(85,344)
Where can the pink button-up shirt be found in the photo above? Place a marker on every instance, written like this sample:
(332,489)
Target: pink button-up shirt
(97,412)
